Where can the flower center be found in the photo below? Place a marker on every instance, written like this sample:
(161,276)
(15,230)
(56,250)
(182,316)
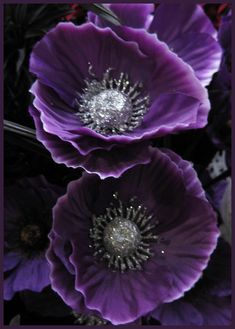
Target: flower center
(122,235)
(30,234)
(111,106)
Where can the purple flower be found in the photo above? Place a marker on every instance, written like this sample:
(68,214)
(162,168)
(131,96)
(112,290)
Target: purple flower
(100,98)
(28,206)
(121,247)
(185,28)
(209,302)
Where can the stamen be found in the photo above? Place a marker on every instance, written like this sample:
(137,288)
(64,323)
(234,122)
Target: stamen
(122,235)
(111,106)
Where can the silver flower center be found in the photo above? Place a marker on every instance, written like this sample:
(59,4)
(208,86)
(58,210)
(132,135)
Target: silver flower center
(111,106)
(121,237)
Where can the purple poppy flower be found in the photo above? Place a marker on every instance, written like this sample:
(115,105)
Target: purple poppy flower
(121,247)
(102,98)
(185,28)
(209,302)
(28,206)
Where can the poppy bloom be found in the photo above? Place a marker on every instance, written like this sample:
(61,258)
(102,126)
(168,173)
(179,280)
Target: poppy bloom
(99,99)
(28,219)
(121,247)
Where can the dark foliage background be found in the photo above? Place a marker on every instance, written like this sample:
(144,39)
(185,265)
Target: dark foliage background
(24,25)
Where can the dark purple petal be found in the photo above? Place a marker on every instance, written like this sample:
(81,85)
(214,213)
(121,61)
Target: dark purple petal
(11,260)
(201,52)
(191,181)
(205,311)
(190,34)
(216,311)
(187,260)
(63,283)
(171,77)
(209,301)
(104,163)
(120,298)
(162,119)
(172,20)
(29,275)
(225,32)
(178,313)
(73,48)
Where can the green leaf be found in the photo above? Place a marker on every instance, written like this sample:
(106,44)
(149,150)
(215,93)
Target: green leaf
(103,12)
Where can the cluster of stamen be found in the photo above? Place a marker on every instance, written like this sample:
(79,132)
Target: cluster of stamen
(122,236)
(30,234)
(111,106)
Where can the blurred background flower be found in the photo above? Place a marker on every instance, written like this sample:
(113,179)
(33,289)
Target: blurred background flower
(27,221)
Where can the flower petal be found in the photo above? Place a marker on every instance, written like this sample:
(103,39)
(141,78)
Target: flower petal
(201,52)
(178,313)
(172,20)
(11,260)
(104,163)
(63,282)
(120,298)
(74,48)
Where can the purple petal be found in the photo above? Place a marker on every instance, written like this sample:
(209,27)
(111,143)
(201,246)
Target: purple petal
(191,181)
(32,275)
(162,119)
(104,163)
(120,298)
(202,311)
(225,32)
(172,20)
(29,275)
(63,282)
(73,48)
(187,260)
(216,311)
(190,34)
(170,76)
(11,260)
(201,52)
(178,313)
